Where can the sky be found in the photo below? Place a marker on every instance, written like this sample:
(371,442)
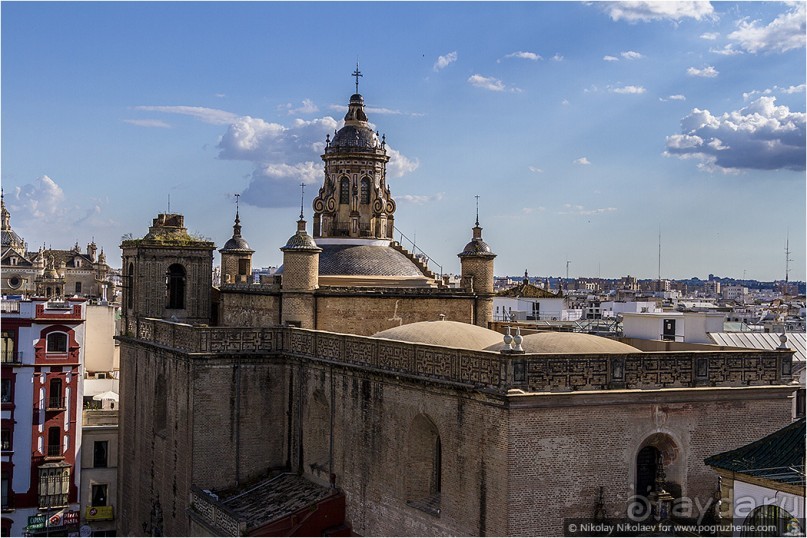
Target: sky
(607,138)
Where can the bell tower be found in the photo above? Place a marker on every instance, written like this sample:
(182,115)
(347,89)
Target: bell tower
(355,201)
(167,274)
(236,256)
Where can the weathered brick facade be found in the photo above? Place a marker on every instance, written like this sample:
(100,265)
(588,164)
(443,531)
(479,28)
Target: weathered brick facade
(217,407)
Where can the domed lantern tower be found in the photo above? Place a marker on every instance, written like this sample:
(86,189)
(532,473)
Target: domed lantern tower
(354,201)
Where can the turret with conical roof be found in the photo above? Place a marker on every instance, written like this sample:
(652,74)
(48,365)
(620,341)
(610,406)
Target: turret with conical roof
(300,278)
(477,274)
(236,256)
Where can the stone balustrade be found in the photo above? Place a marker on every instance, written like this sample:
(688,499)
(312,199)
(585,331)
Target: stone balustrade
(496,372)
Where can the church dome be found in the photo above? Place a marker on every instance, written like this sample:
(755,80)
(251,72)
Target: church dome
(352,136)
(567,342)
(445,333)
(236,243)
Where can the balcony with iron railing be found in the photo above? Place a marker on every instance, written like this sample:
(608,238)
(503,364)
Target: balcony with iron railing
(56,403)
(11,357)
(53,452)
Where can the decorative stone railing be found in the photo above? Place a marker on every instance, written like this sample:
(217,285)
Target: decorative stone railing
(206,507)
(489,370)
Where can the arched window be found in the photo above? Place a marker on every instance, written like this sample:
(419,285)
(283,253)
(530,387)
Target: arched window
(344,191)
(130,288)
(770,520)
(175,279)
(55,394)
(424,465)
(365,190)
(56,343)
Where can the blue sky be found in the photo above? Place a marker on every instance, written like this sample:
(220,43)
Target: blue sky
(587,129)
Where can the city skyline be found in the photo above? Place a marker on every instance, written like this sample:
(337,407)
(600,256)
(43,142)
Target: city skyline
(593,133)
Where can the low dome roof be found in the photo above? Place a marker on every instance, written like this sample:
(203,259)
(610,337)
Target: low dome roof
(567,342)
(443,333)
(236,243)
(370,260)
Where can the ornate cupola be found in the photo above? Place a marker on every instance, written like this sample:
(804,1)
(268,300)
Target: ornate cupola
(236,256)
(355,201)
(300,277)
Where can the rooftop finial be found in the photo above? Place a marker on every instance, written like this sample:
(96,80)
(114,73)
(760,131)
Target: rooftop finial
(477,209)
(302,196)
(357,74)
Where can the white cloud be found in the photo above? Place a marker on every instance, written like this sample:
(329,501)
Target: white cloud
(420,199)
(677,97)
(582,160)
(776,89)
(307,107)
(43,206)
(644,11)
(400,165)
(444,61)
(42,199)
(535,170)
(710,36)
(786,32)
(706,72)
(487,83)
(148,123)
(631,55)
(207,115)
(610,59)
(761,136)
(728,50)
(523,55)
(629,90)
(491,84)
(557,57)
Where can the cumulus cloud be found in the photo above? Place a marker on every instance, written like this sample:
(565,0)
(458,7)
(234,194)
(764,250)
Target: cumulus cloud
(652,10)
(761,136)
(42,199)
(148,123)
(710,36)
(42,206)
(557,57)
(728,50)
(676,97)
(629,90)
(610,59)
(207,115)
(582,160)
(707,72)
(786,32)
(444,61)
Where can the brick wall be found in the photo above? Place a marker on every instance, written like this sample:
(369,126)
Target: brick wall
(560,453)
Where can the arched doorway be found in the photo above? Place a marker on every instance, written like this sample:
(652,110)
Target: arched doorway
(646,469)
